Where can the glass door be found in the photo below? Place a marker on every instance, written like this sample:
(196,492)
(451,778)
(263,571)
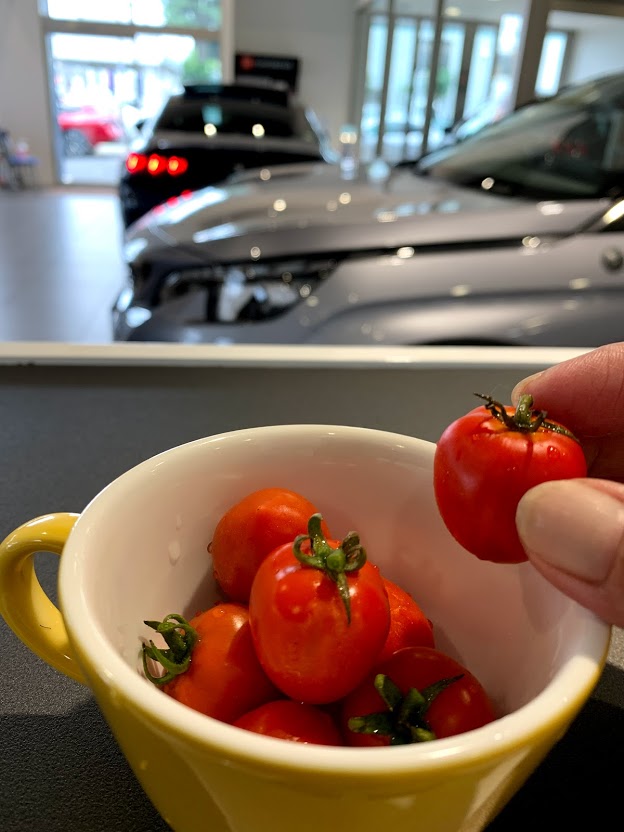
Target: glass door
(105,86)
(481,69)
(405,112)
(373,106)
(113,63)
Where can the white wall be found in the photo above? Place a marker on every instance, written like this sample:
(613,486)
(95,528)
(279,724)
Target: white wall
(598,44)
(319,33)
(24,102)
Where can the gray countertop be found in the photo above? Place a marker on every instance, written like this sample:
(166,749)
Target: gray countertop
(69,427)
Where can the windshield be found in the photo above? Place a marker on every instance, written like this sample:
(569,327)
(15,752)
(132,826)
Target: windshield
(569,147)
(233,117)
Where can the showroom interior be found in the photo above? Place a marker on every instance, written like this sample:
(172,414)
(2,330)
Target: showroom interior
(365,68)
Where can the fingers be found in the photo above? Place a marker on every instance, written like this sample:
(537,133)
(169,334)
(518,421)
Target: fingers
(585,393)
(573,533)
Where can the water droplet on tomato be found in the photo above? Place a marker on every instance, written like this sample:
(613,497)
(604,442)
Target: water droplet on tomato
(552,452)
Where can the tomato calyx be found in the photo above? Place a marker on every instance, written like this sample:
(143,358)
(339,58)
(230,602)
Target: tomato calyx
(180,637)
(335,563)
(405,720)
(525,419)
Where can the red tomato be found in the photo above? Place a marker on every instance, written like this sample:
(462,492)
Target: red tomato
(252,529)
(460,705)
(409,626)
(223,677)
(318,623)
(485,461)
(293,721)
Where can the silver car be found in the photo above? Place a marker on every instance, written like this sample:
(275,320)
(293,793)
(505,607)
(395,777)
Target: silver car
(513,237)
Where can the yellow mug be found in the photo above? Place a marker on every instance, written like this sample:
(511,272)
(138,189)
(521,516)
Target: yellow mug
(138,551)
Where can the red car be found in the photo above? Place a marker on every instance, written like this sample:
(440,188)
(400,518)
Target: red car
(85,127)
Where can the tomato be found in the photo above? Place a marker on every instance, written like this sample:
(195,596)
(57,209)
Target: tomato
(486,460)
(211,662)
(293,721)
(319,616)
(427,695)
(409,626)
(252,529)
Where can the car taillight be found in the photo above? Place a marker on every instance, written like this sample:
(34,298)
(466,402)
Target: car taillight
(177,165)
(136,162)
(155,164)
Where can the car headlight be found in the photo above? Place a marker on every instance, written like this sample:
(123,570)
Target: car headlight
(248,292)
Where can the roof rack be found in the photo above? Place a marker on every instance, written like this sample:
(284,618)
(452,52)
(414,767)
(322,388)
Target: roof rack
(248,91)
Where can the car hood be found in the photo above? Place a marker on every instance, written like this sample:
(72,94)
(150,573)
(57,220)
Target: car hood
(308,208)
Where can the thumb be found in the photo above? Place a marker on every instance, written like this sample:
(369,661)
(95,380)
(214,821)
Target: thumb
(573,533)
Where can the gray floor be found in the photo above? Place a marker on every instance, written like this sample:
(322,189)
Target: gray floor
(60,264)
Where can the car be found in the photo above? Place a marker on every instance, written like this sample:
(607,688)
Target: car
(489,113)
(514,236)
(206,133)
(83,128)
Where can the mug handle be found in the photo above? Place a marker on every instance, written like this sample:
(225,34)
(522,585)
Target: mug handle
(23,604)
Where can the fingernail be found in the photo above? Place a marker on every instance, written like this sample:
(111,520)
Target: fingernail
(522,386)
(573,527)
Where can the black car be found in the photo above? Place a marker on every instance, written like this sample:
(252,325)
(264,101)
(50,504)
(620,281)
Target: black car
(211,131)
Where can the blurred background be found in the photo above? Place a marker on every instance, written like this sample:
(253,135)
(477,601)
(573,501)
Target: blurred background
(343,171)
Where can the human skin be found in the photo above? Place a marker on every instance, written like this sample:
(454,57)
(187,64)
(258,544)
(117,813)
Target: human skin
(573,530)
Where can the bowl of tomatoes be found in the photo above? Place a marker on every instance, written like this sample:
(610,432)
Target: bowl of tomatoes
(283,634)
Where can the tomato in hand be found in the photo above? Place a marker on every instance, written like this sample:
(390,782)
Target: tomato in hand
(210,662)
(294,721)
(486,461)
(319,615)
(419,694)
(409,626)
(252,529)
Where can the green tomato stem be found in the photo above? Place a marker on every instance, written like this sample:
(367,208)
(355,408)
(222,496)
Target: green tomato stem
(335,563)
(404,721)
(180,638)
(525,419)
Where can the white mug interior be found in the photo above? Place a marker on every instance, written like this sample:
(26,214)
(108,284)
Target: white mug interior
(139,551)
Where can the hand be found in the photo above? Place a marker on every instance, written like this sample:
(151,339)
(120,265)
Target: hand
(573,530)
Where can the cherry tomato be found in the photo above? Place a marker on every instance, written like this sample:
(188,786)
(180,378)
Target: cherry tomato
(486,460)
(293,721)
(252,529)
(409,626)
(211,663)
(319,616)
(426,695)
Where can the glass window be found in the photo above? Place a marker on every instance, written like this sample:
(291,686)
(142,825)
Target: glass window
(198,14)
(105,86)
(192,116)
(403,46)
(447,79)
(375,62)
(481,69)
(551,63)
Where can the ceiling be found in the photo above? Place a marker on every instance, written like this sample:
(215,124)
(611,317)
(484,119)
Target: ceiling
(492,10)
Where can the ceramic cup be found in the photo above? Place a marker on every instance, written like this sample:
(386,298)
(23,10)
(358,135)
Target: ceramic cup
(138,551)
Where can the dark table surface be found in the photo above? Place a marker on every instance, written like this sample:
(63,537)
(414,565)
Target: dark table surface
(66,431)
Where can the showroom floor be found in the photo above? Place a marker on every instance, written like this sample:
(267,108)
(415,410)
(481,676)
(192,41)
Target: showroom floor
(60,264)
